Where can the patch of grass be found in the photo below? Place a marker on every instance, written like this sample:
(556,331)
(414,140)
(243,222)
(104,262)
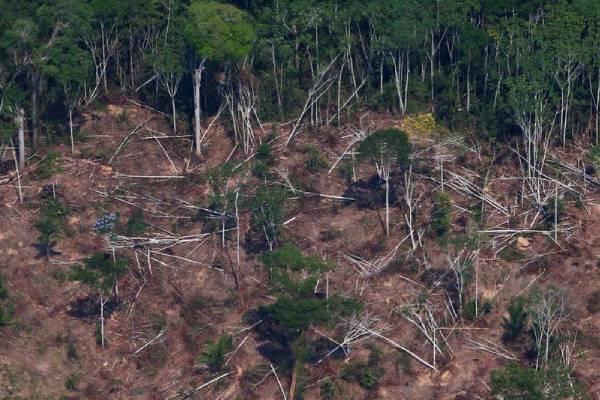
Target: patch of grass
(71,351)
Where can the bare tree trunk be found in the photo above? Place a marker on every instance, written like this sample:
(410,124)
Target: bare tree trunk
(35,82)
(174,114)
(21,134)
(387,206)
(102,319)
(71,131)
(197,127)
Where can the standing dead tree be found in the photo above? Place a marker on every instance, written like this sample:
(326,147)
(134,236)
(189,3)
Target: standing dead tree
(411,202)
(462,266)
(547,312)
(241,100)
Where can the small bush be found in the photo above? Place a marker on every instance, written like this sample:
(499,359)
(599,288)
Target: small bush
(50,225)
(328,390)
(594,156)
(516,321)
(72,351)
(71,382)
(593,302)
(49,166)
(440,215)
(136,225)
(267,208)
(554,206)
(4,316)
(365,374)
(316,160)
(264,160)
(510,254)
(484,308)
(214,352)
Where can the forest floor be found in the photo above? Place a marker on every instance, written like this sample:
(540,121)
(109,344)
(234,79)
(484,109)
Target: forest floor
(50,351)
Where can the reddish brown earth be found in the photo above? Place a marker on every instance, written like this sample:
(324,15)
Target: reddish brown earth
(33,356)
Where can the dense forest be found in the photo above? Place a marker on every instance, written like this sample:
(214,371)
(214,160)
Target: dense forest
(498,68)
(299,199)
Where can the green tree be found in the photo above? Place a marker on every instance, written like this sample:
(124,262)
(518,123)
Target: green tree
(219,32)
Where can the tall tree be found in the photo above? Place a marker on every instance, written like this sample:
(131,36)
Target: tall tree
(218,32)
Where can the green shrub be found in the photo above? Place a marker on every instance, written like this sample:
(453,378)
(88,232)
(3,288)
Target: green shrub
(71,382)
(49,166)
(365,374)
(4,315)
(72,351)
(214,352)
(136,225)
(593,302)
(386,146)
(555,205)
(328,390)
(514,382)
(267,209)
(440,215)
(484,308)
(510,254)
(555,382)
(594,156)
(402,362)
(263,161)
(516,321)
(316,160)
